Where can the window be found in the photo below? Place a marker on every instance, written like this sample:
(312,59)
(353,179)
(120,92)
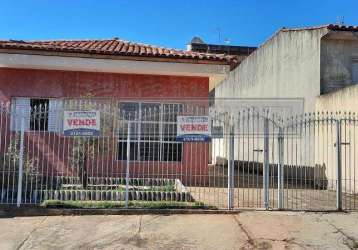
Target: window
(39,114)
(153,132)
(355,71)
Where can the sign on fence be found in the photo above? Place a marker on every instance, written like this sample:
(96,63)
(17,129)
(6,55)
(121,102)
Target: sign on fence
(193,128)
(81,123)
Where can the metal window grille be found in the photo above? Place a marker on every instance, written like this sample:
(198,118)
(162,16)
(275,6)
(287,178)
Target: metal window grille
(153,131)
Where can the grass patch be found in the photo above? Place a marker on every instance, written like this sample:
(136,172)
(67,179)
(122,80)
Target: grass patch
(121,204)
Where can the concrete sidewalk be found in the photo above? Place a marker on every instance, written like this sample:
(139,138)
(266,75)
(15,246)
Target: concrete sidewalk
(247,230)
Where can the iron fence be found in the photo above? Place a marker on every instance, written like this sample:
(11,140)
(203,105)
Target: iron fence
(253,160)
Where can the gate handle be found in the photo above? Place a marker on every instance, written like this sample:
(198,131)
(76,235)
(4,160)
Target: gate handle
(258,150)
(342,143)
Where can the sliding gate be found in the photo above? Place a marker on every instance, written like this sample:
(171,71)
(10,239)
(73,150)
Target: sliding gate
(253,160)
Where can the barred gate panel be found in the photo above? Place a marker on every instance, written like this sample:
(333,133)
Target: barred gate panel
(349,149)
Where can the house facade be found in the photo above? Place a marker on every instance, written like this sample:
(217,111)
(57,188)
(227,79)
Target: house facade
(119,75)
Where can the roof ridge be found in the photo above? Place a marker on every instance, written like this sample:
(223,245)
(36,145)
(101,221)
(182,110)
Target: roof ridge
(305,28)
(95,40)
(278,31)
(76,40)
(115,39)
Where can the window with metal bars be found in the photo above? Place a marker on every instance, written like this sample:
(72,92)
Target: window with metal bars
(152,131)
(39,114)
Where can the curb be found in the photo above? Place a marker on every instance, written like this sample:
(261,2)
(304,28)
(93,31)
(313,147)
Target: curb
(29,211)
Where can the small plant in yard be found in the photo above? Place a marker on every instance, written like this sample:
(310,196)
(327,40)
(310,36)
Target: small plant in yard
(166,188)
(85,149)
(82,153)
(10,160)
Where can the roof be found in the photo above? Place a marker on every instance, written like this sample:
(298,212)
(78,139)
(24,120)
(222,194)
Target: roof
(342,27)
(329,27)
(334,27)
(222,49)
(114,47)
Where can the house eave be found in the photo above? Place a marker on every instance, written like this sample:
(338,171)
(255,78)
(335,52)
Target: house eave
(112,65)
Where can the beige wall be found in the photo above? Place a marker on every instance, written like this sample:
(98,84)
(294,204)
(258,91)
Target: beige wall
(290,65)
(286,66)
(346,101)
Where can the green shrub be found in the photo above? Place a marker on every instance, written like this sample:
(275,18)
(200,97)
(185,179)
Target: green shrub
(121,204)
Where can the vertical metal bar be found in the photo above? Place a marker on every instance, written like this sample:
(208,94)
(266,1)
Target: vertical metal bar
(280,168)
(339,167)
(266,164)
(230,169)
(21,157)
(128,160)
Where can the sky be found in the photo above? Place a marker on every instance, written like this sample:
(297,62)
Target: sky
(168,23)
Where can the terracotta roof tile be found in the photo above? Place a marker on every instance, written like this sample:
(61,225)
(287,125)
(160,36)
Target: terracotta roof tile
(337,27)
(342,27)
(115,47)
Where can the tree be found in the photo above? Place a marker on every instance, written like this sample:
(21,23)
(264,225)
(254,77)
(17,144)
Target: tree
(85,149)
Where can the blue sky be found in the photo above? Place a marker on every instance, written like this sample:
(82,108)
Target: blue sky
(165,22)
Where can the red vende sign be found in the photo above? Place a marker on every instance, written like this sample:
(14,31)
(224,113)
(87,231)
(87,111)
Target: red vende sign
(81,123)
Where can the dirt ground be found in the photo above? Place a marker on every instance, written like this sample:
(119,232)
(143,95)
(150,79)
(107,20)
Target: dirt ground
(246,230)
(294,199)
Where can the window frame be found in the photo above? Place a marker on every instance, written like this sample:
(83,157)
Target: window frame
(160,141)
(54,113)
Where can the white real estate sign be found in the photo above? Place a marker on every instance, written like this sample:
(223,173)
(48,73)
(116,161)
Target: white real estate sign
(81,123)
(193,128)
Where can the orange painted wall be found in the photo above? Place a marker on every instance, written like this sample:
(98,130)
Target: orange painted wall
(46,83)
(191,170)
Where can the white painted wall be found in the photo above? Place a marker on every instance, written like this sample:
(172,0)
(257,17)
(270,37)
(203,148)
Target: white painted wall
(344,100)
(286,66)
(291,65)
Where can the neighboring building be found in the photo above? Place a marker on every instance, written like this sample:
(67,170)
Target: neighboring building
(317,66)
(198,45)
(240,52)
(135,75)
(301,63)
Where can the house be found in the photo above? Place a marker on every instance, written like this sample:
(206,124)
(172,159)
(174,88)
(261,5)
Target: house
(240,52)
(119,75)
